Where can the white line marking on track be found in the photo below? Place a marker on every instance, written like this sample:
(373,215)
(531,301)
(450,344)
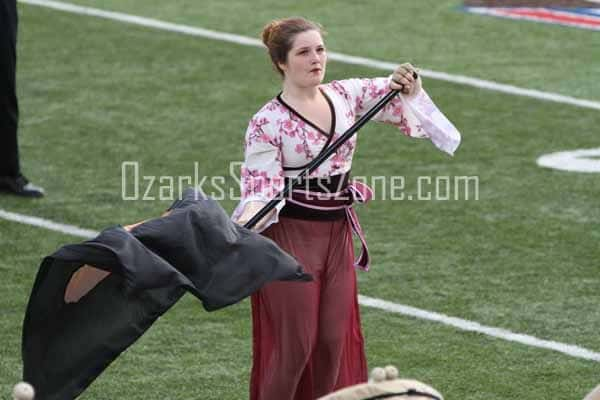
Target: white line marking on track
(581,160)
(47,224)
(462,324)
(248,41)
(471,326)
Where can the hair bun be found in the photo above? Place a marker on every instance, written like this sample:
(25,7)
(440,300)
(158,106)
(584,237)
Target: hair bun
(269,30)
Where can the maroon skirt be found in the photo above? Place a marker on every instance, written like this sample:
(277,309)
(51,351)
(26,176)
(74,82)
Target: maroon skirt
(307,340)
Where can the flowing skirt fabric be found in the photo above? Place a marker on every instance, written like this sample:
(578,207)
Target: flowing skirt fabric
(307,337)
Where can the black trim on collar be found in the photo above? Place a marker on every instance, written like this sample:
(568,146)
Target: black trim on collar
(331,129)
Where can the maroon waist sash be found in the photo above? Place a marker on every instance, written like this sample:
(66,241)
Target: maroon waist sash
(331,199)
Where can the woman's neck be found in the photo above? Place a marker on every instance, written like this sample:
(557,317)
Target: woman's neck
(300,94)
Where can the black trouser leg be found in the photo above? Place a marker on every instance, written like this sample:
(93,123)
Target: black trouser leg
(9,108)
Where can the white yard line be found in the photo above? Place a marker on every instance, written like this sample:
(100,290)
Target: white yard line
(348,59)
(461,324)
(471,326)
(47,224)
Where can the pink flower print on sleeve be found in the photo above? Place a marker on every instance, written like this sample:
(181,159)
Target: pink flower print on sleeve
(256,132)
(254,181)
(375,89)
(358,102)
(272,106)
(340,89)
(349,116)
(403,125)
(395,106)
(401,122)
(258,182)
(396,116)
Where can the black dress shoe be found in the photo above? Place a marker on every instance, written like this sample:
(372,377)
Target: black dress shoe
(20,186)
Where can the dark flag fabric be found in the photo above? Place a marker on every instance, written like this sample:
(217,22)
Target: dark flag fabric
(69,340)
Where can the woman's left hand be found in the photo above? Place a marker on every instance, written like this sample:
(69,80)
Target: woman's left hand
(406,80)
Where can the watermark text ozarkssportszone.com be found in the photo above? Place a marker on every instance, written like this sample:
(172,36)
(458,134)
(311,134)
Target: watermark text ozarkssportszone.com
(137,186)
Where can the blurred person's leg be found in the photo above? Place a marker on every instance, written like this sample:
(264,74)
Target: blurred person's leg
(9,109)
(11,178)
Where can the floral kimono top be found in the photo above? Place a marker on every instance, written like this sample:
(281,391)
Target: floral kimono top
(279,141)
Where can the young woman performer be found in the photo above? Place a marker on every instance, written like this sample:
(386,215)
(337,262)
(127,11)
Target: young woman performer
(307,336)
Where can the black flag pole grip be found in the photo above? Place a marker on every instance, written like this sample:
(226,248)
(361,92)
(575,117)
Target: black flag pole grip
(321,158)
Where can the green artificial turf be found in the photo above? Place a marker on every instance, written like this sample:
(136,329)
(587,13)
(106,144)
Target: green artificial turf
(95,93)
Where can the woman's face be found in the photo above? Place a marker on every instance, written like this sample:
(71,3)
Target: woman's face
(306,60)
